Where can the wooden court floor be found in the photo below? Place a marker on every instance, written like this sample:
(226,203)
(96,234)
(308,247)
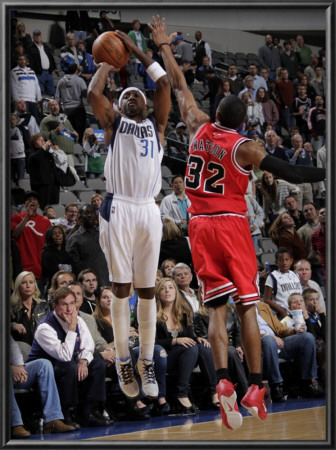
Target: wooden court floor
(297,425)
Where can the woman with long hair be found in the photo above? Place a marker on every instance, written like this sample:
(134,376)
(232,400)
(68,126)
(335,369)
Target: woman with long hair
(283,234)
(103,317)
(269,109)
(175,333)
(26,307)
(224,90)
(274,191)
(54,255)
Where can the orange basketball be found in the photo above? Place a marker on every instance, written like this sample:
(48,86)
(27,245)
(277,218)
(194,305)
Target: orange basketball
(110,49)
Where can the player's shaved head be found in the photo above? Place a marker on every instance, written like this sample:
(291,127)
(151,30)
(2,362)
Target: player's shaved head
(231,112)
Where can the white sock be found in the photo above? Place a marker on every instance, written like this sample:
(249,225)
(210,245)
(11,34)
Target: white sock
(121,317)
(147,327)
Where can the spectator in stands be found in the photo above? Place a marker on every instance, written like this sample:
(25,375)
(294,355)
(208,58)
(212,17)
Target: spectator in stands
(248,82)
(318,241)
(224,90)
(58,129)
(167,267)
(174,331)
(96,201)
(27,125)
(317,318)
(18,50)
(283,234)
(25,85)
(274,192)
(28,232)
(42,170)
(269,57)
(302,158)
(279,341)
(42,61)
(303,269)
(27,309)
(276,43)
(50,213)
(303,51)
(317,123)
(70,216)
(292,208)
(89,282)
(258,81)
(94,166)
(70,92)
(184,50)
(300,109)
(178,142)
(88,65)
(281,282)
(173,245)
(236,82)
(311,93)
(65,340)
(140,41)
(174,206)
(201,49)
(188,72)
(254,115)
(25,376)
(182,275)
(84,246)
(287,95)
(104,23)
(310,70)
(54,255)
(200,74)
(290,61)
(272,148)
(77,22)
(24,37)
(70,54)
(17,151)
(269,109)
(318,82)
(62,278)
(255,215)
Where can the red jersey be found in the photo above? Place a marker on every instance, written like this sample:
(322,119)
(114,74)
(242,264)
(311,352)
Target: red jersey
(31,241)
(214,181)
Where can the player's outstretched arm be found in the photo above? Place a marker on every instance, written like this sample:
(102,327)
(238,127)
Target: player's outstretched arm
(101,107)
(253,154)
(190,112)
(162,97)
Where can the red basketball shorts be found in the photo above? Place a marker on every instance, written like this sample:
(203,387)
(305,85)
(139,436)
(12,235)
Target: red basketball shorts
(224,258)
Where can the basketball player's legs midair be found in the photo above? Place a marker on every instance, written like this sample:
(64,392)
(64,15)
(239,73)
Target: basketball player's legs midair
(120,312)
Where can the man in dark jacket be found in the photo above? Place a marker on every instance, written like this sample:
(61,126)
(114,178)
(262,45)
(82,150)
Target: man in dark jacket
(41,60)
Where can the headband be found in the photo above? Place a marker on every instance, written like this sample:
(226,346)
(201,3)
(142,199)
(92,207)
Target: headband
(132,88)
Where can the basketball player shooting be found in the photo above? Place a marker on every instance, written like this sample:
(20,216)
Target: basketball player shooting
(219,164)
(130,224)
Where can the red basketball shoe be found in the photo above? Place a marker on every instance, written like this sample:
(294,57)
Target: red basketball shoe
(227,396)
(254,401)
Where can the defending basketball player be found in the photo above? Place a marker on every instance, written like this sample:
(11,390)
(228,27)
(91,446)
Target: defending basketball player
(130,224)
(223,254)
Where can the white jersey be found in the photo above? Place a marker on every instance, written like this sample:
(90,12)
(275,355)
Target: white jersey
(283,284)
(133,164)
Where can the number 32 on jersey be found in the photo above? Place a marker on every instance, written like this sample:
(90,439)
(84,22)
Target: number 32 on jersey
(210,173)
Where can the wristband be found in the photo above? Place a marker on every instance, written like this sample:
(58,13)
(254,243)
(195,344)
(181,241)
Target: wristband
(163,43)
(155,71)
